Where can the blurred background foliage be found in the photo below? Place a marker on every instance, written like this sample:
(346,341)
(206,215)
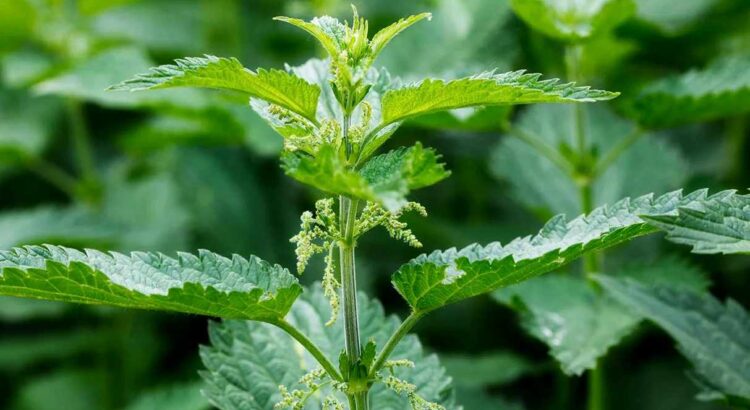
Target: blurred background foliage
(185,169)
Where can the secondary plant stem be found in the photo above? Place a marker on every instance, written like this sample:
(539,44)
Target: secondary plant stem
(591,263)
(310,346)
(391,344)
(81,141)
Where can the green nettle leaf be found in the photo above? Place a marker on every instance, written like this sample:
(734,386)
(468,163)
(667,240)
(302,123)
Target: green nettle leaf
(715,337)
(649,164)
(26,125)
(247,361)
(487,369)
(573,19)
(570,317)
(443,277)
(206,284)
(384,36)
(89,79)
(186,396)
(275,86)
(710,227)
(385,179)
(23,352)
(579,323)
(69,226)
(490,88)
(70,386)
(721,89)
(670,19)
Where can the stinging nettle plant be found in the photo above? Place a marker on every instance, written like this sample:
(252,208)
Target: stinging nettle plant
(329,346)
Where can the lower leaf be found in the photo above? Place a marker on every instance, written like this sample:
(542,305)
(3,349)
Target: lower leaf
(715,337)
(248,361)
(206,284)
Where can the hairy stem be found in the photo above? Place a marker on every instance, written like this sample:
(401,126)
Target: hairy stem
(310,347)
(395,338)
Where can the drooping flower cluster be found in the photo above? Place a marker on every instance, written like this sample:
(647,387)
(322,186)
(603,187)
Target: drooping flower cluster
(320,233)
(312,382)
(374,215)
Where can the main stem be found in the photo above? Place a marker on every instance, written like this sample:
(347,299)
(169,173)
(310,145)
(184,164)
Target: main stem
(347,246)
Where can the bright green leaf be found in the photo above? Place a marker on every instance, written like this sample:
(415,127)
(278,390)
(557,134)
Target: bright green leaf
(275,86)
(485,89)
(247,361)
(721,89)
(443,277)
(710,227)
(573,20)
(384,36)
(206,284)
(385,179)
(715,337)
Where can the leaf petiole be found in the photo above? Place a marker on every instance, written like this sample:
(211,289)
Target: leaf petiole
(310,346)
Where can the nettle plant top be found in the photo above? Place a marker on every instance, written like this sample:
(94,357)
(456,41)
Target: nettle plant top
(334,115)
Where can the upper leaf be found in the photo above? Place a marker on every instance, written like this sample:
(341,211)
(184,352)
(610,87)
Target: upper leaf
(351,40)
(247,361)
(710,227)
(715,337)
(671,20)
(385,179)
(443,277)
(275,86)
(573,19)
(206,284)
(384,36)
(721,89)
(515,87)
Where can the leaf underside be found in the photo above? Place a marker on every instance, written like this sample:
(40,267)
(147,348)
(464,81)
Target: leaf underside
(443,277)
(204,284)
(715,337)
(247,361)
(710,227)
